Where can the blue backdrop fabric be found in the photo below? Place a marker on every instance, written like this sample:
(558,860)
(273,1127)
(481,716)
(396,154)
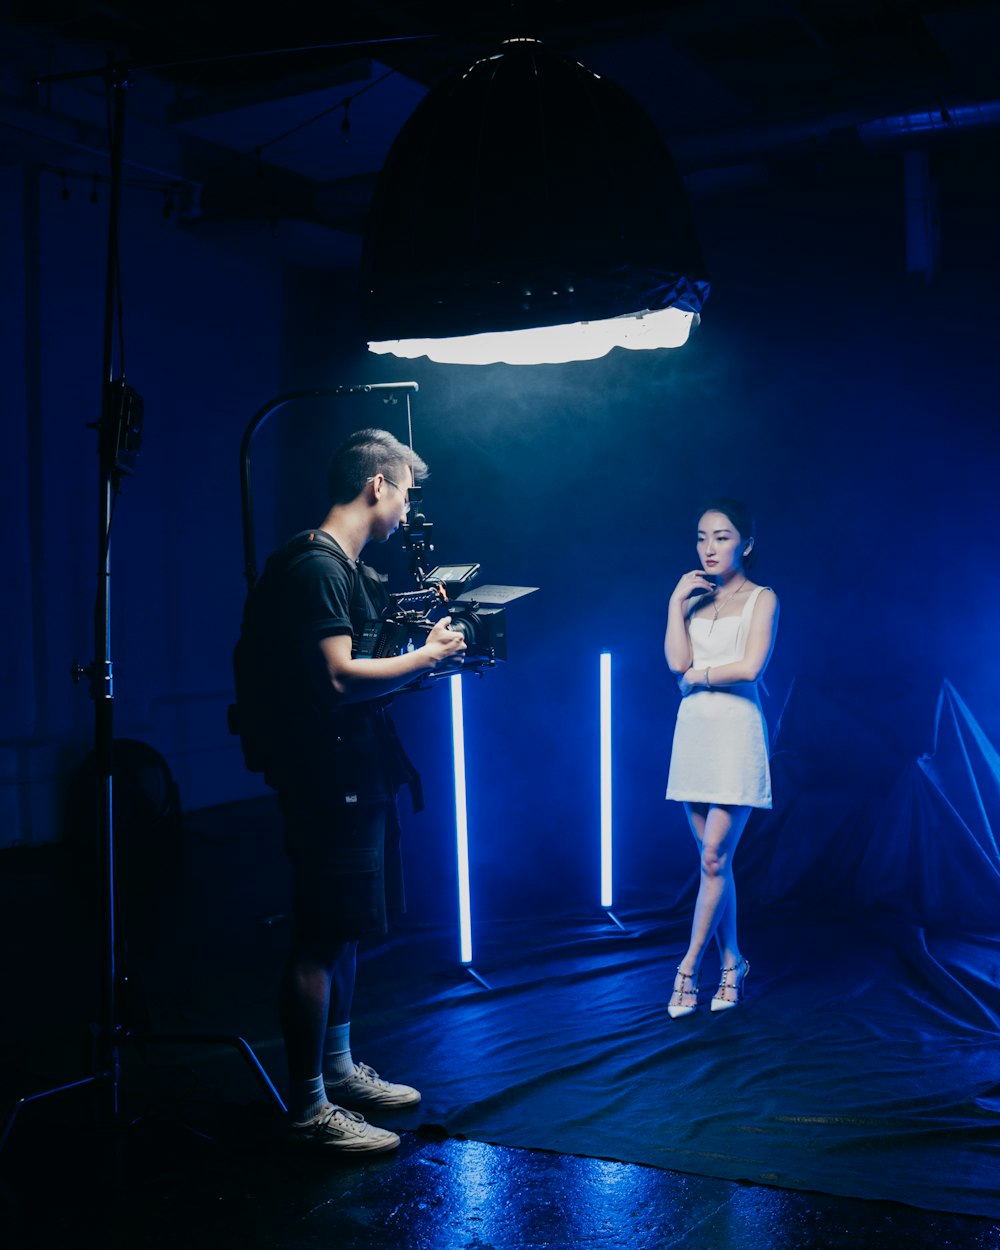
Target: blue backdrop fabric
(866,816)
(865,1061)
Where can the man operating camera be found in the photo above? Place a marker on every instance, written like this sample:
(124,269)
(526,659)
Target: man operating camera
(333,756)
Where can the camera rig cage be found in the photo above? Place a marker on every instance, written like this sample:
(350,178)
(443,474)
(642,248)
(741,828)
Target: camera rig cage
(479,615)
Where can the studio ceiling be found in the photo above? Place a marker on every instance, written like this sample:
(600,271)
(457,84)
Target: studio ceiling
(289,112)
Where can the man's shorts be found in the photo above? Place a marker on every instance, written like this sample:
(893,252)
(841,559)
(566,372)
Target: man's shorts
(346,874)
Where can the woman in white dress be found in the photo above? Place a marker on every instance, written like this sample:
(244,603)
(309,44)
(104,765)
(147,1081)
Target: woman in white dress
(720,634)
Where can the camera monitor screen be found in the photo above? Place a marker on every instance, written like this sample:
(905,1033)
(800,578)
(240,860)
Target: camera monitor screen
(452,574)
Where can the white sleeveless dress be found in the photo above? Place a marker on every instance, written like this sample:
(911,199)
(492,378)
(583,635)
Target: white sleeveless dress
(720,740)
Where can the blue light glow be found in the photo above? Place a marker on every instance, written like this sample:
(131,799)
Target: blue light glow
(461,820)
(606,896)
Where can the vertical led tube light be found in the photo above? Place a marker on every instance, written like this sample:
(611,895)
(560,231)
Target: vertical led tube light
(461,821)
(606,893)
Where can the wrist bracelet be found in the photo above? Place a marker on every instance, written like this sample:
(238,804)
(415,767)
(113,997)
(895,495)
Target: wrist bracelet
(708,684)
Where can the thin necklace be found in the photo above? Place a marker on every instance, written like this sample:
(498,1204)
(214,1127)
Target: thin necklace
(717,606)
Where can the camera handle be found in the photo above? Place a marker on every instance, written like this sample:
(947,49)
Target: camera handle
(418,534)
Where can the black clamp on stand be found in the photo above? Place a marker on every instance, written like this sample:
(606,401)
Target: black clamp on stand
(418,535)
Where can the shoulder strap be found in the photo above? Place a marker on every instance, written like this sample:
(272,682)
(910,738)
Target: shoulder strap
(752,599)
(311,542)
(301,547)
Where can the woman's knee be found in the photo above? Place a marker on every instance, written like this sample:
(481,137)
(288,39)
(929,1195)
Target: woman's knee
(714,861)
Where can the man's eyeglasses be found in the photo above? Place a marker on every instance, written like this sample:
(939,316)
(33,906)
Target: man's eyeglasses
(406,509)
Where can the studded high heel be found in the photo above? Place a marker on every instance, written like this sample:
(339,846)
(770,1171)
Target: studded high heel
(688,989)
(732,987)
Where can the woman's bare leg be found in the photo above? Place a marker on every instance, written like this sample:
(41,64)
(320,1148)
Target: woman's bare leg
(717,830)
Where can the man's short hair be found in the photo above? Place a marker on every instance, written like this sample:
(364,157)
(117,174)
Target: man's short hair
(364,454)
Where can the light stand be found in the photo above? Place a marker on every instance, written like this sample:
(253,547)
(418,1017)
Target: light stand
(119,435)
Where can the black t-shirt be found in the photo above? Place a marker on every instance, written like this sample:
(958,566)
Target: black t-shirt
(310,590)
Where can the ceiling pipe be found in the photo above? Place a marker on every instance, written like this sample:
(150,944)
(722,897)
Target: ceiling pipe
(708,151)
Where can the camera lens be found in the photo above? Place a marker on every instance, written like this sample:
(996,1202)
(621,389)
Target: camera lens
(466,626)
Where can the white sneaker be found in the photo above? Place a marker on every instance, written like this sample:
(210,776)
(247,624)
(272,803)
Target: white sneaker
(335,1129)
(365,1088)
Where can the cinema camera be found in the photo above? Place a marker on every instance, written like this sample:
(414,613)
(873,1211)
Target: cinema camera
(478,615)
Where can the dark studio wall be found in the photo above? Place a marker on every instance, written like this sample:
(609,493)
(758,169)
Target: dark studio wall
(201,336)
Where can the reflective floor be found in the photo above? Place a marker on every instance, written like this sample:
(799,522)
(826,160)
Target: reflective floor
(230,1184)
(196,1156)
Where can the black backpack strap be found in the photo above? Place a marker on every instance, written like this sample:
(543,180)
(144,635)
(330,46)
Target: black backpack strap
(404,772)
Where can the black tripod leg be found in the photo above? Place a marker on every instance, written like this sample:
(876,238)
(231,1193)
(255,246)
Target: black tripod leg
(216,1039)
(45,1093)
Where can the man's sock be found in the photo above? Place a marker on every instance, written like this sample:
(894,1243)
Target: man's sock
(306,1098)
(337,1061)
